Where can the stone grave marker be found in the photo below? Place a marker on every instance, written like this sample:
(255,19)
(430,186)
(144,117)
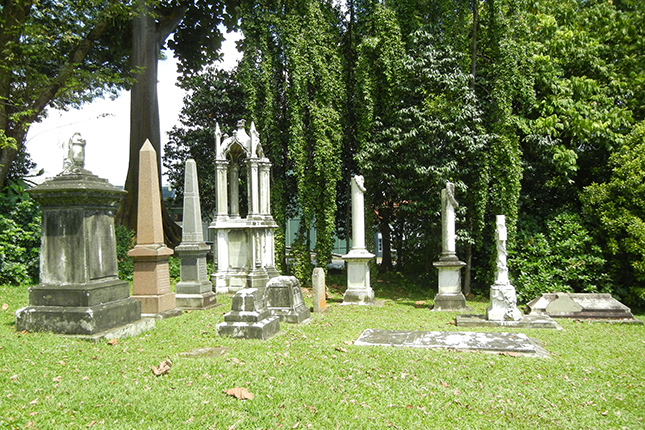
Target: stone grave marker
(284,299)
(589,306)
(319,289)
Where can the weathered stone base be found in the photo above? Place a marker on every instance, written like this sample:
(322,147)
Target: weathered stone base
(497,343)
(450,303)
(592,306)
(196,301)
(157,304)
(363,296)
(121,332)
(249,317)
(78,320)
(261,330)
(526,321)
(284,299)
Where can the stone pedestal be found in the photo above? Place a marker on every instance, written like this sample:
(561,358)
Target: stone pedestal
(449,297)
(151,279)
(503,304)
(194,290)
(249,318)
(319,290)
(284,299)
(79,292)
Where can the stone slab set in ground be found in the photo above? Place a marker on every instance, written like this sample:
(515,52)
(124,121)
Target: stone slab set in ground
(590,306)
(513,343)
(359,291)
(284,299)
(449,296)
(194,290)
(79,291)
(249,318)
(526,321)
(151,278)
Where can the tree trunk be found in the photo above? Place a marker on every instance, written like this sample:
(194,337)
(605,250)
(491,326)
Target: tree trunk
(148,38)
(473,44)
(386,241)
(468,269)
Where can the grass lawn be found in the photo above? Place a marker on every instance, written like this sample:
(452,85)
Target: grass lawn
(312,376)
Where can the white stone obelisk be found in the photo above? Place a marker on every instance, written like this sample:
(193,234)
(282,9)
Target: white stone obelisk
(358,291)
(449,296)
(194,290)
(503,299)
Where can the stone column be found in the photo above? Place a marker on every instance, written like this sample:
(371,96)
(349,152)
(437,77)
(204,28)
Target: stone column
(79,291)
(151,279)
(503,298)
(234,187)
(449,296)
(194,290)
(265,188)
(253,187)
(221,171)
(357,261)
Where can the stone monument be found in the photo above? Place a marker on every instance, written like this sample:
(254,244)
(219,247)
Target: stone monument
(194,290)
(151,279)
(358,291)
(284,299)
(249,318)
(319,289)
(449,296)
(503,300)
(503,311)
(244,247)
(79,291)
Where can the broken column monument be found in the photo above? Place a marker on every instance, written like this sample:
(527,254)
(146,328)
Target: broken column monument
(194,290)
(449,296)
(244,246)
(151,278)
(79,291)
(359,291)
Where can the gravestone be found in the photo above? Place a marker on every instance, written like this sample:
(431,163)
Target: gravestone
(319,290)
(194,290)
(357,260)
(244,247)
(503,299)
(284,299)
(79,291)
(151,278)
(449,296)
(503,311)
(589,306)
(249,317)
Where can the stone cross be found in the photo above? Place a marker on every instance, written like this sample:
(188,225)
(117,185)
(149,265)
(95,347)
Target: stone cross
(503,299)
(501,276)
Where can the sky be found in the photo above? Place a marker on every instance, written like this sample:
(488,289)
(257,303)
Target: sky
(105,125)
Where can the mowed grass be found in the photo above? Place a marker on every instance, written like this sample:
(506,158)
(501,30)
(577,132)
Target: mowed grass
(312,376)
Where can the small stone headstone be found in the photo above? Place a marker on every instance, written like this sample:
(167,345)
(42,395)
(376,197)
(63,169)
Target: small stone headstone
(319,290)
(284,299)
(249,317)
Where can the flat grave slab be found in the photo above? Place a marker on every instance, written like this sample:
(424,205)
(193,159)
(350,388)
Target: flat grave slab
(512,343)
(527,321)
(586,306)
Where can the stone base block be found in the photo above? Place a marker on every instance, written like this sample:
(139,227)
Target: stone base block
(121,332)
(261,330)
(156,304)
(363,296)
(526,321)
(450,303)
(196,301)
(78,319)
(593,306)
(193,287)
(292,316)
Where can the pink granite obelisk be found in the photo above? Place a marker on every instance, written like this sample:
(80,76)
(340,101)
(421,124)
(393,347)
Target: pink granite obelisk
(151,280)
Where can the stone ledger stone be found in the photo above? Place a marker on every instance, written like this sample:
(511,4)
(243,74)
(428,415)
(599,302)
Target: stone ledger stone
(194,290)
(359,291)
(319,290)
(79,291)
(249,318)
(151,278)
(592,306)
(284,299)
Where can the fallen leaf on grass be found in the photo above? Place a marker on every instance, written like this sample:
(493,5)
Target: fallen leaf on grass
(510,354)
(444,384)
(112,342)
(57,379)
(349,342)
(341,349)
(240,393)
(419,304)
(162,369)
(604,413)
(5,306)
(451,323)
(35,401)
